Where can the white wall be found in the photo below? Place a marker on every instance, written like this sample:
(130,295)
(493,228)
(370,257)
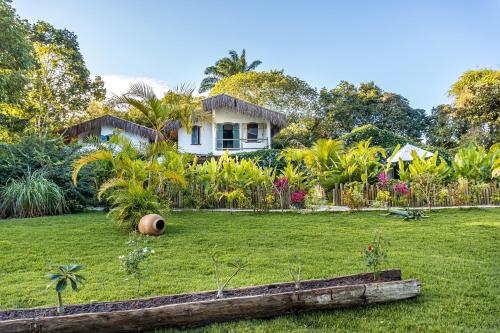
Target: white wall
(208,132)
(205,146)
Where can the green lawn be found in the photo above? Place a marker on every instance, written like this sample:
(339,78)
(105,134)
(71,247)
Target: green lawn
(455,253)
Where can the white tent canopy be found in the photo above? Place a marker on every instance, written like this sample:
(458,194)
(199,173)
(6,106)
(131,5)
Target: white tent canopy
(405,153)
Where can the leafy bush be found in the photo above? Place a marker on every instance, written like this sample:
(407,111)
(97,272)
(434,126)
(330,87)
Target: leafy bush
(54,158)
(30,196)
(353,196)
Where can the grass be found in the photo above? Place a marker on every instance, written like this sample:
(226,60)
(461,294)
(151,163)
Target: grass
(455,253)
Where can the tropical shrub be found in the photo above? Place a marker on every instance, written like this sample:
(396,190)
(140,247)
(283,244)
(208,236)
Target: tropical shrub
(297,198)
(425,174)
(30,196)
(142,179)
(315,197)
(475,163)
(353,196)
(54,158)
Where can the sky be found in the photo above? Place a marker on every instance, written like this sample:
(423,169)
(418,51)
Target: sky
(414,48)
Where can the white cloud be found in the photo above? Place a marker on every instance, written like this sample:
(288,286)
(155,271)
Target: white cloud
(119,84)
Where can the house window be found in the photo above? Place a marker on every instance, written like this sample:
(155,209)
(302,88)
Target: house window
(252,132)
(195,135)
(104,138)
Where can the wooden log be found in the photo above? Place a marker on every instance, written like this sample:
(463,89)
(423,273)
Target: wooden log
(193,314)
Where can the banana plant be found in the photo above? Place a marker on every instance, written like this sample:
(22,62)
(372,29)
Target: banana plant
(64,275)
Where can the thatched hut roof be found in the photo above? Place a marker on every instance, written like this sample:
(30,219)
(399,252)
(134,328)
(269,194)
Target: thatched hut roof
(225,101)
(277,119)
(90,126)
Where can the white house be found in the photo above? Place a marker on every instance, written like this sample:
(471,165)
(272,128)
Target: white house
(232,125)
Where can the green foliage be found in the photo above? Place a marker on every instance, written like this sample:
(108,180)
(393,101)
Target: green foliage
(60,85)
(265,158)
(237,265)
(353,196)
(274,90)
(55,160)
(229,178)
(132,261)
(445,128)
(475,163)
(376,254)
(346,107)
(142,177)
(226,67)
(16,55)
(30,196)
(476,95)
(67,274)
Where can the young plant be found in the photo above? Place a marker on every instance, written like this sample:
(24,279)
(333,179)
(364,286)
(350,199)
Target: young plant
(65,275)
(375,254)
(131,262)
(220,280)
(295,270)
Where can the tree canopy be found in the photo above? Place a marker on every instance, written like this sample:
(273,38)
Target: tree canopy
(476,97)
(60,86)
(348,106)
(273,89)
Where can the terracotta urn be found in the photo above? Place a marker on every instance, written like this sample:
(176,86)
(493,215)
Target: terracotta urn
(152,224)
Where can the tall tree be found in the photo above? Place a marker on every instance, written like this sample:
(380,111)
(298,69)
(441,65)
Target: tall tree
(226,67)
(445,129)
(61,87)
(346,107)
(16,59)
(16,54)
(476,97)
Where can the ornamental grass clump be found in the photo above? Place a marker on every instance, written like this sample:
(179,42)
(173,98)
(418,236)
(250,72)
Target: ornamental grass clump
(30,196)
(375,254)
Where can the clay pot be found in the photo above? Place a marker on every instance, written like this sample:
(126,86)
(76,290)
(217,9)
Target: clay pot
(152,224)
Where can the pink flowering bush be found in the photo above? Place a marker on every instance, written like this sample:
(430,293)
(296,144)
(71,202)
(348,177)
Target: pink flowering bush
(281,183)
(298,197)
(383,181)
(401,188)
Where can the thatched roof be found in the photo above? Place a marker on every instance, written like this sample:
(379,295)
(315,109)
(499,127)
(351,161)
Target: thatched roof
(90,126)
(277,119)
(238,105)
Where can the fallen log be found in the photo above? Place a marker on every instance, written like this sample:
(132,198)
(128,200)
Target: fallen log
(242,303)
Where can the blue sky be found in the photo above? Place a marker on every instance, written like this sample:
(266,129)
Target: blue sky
(415,48)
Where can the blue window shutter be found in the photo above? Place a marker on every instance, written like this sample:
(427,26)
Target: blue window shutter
(236,135)
(219,136)
(195,139)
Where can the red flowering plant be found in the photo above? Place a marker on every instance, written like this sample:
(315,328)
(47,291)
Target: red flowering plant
(375,254)
(297,198)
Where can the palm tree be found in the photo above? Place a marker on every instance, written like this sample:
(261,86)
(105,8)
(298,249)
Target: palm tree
(225,67)
(177,105)
(65,275)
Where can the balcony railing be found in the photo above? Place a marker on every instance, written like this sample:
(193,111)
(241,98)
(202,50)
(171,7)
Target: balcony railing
(242,144)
